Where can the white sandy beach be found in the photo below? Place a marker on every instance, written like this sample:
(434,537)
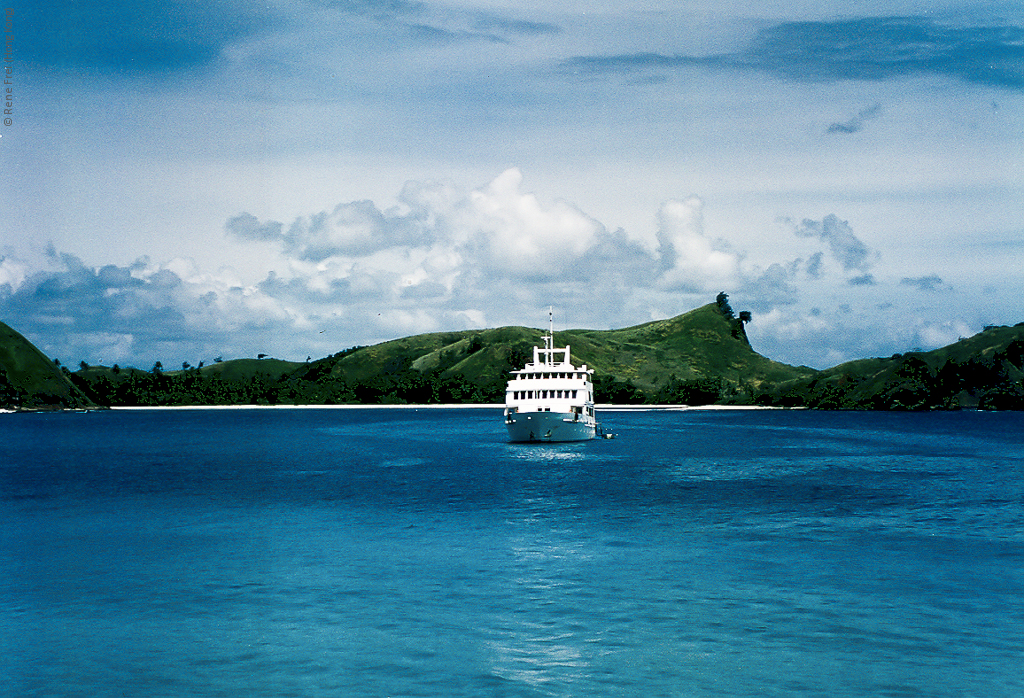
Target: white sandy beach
(447,406)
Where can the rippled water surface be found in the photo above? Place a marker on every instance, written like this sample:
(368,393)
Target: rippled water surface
(399,552)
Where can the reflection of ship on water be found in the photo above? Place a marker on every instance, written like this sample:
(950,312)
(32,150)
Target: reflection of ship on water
(550,399)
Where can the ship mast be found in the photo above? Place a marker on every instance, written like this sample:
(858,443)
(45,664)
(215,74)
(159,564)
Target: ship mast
(547,354)
(551,327)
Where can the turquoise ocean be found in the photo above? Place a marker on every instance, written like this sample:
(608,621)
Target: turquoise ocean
(414,552)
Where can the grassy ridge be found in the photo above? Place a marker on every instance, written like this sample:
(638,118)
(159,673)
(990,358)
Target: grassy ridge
(700,357)
(30,381)
(652,361)
(699,345)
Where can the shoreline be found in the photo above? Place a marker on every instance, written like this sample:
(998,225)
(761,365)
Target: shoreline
(444,406)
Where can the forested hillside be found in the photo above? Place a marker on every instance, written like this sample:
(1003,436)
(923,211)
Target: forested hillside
(700,357)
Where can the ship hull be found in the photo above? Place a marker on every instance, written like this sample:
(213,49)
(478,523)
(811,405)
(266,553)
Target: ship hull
(548,427)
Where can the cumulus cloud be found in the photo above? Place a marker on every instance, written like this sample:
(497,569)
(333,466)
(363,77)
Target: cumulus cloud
(845,247)
(12,274)
(774,287)
(442,232)
(247,227)
(117,314)
(444,257)
(929,333)
(690,259)
(514,233)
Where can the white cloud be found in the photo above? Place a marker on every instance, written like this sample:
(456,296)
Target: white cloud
(448,257)
(936,334)
(12,273)
(691,260)
(520,236)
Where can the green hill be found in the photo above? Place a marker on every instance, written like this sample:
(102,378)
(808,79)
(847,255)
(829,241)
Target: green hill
(699,357)
(31,381)
(702,356)
(984,371)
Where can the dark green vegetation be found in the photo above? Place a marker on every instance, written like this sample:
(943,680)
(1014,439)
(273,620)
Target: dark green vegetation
(30,381)
(696,358)
(701,357)
(984,371)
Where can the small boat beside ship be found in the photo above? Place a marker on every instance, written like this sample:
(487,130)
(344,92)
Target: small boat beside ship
(549,399)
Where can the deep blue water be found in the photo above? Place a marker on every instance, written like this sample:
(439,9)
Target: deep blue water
(415,553)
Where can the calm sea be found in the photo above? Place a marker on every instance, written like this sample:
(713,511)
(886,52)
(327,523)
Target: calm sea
(398,552)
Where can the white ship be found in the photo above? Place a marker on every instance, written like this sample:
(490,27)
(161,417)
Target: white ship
(550,399)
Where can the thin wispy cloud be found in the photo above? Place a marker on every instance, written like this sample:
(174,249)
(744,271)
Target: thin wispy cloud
(929,283)
(873,48)
(856,124)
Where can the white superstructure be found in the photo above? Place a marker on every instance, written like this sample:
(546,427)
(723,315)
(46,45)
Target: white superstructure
(550,399)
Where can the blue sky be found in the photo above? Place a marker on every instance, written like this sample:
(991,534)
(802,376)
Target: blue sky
(185,180)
